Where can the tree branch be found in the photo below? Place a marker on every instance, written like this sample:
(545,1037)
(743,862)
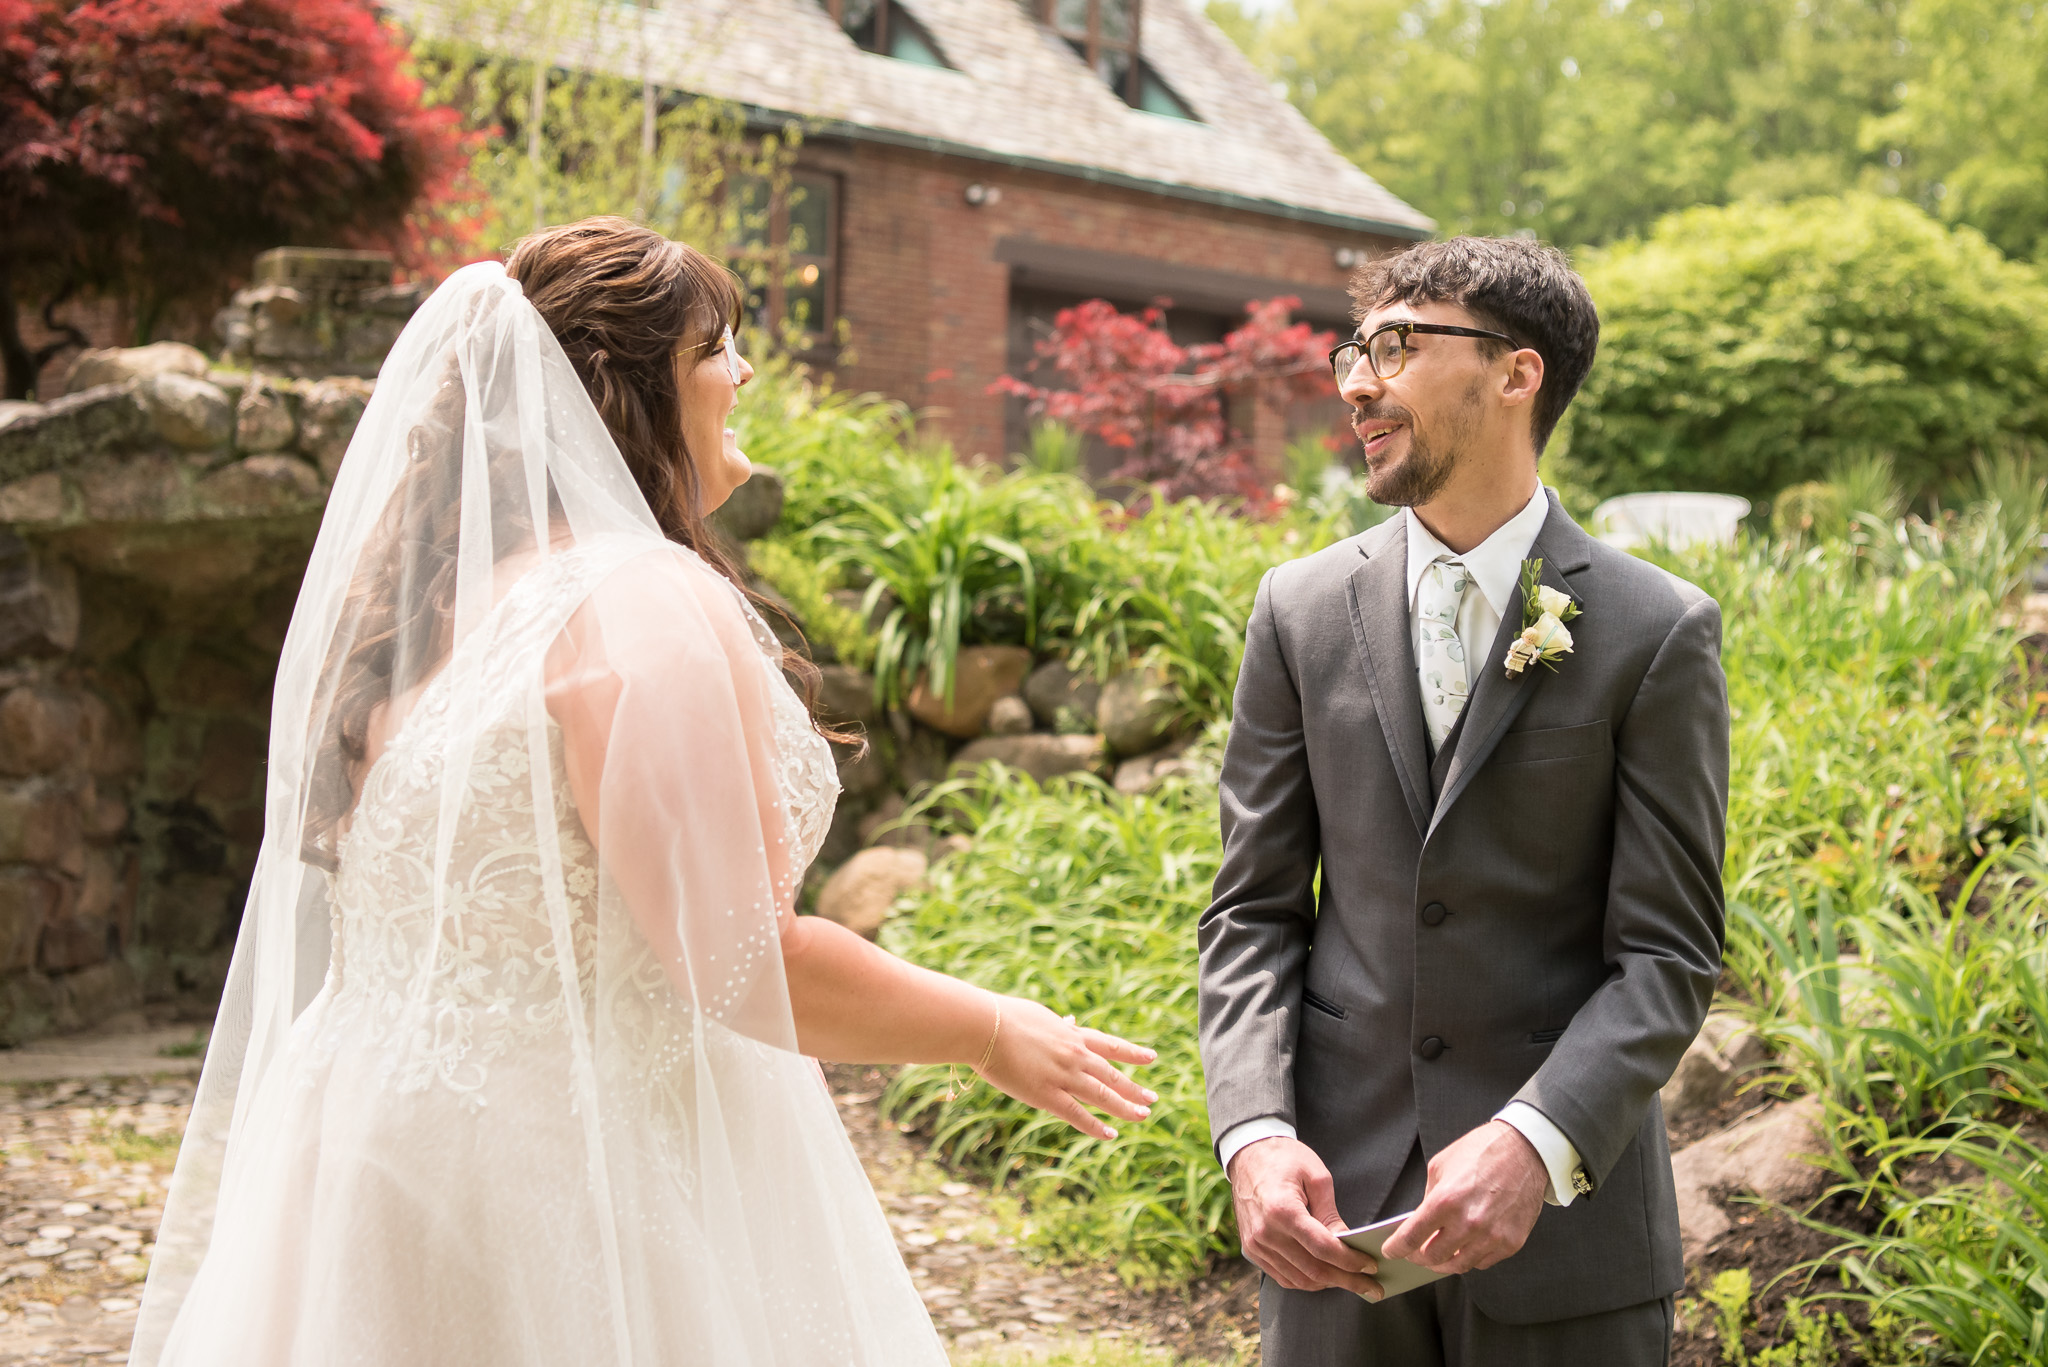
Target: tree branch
(70,335)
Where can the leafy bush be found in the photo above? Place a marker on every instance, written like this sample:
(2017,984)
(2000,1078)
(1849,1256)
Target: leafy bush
(958,552)
(1754,346)
(1085,901)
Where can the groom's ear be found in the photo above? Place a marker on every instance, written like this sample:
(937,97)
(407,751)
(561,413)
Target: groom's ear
(1521,378)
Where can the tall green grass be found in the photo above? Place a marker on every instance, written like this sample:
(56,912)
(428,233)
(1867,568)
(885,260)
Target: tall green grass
(1083,900)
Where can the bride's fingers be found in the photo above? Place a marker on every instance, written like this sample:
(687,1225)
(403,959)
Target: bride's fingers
(1075,1113)
(1104,1097)
(1121,1050)
(1124,1087)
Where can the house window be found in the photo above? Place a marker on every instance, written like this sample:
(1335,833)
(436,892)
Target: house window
(1104,34)
(884,26)
(796,233)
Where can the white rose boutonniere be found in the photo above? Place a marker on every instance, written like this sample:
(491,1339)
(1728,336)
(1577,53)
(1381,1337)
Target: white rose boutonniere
(1545,611)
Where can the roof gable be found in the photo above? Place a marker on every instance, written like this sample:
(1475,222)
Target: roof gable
(1019,95)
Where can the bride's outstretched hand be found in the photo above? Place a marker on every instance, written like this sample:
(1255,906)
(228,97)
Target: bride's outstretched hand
(1064,1069)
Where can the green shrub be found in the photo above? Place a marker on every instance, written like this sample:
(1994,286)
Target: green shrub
(1747,348)
(958,550)
(825,443)
(832,628)
(1085,901)
(1965,1260)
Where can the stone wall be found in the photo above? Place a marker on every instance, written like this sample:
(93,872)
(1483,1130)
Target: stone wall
(154,525)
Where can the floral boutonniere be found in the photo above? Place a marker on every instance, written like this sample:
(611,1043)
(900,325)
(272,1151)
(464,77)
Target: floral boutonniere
(1544,613)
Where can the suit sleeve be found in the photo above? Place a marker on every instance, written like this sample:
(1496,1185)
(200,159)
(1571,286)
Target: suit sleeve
(1256,934)
(1665,912)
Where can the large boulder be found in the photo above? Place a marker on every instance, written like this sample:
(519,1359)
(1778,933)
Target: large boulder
(328,413)
(1712,1067)
(753,509)
(1038,754)
(40,729)
(263,486)
(1772,1154)
(70,430)
(866,886)
(1143,773)
(116,365)
(1061,699)
(189,412)
(1137,711)
(38,601)
(981,674)
(1010,716)
(264,420)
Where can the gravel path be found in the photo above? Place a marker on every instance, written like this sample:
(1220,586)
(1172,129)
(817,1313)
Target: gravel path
(80,1197)
(86,1164)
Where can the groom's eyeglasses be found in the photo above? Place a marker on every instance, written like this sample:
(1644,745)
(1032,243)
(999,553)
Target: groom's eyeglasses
(726,343)
(1386,351)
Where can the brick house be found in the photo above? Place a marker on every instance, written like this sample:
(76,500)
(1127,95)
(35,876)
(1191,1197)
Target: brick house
(972,166)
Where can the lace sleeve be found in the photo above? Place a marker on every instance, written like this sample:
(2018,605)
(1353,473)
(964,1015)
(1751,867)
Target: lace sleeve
(666,706)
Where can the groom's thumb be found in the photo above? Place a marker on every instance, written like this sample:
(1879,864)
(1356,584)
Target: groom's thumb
(1320,1190)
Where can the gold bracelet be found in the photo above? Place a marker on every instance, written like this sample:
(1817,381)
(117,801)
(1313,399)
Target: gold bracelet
(953,1092)
(988,1055)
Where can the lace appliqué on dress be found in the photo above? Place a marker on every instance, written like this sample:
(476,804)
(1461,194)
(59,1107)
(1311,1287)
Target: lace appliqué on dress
(445,961)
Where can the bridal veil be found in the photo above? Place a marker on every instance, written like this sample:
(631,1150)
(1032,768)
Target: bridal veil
(505,1072)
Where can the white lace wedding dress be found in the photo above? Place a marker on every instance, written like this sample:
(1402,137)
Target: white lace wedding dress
(457,1160)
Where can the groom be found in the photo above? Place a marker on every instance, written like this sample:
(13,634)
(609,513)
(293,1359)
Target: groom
(1467,919)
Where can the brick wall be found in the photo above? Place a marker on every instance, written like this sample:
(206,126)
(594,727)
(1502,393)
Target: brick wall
(928,300)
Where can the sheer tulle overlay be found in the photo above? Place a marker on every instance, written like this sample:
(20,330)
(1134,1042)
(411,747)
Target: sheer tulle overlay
(505,1071)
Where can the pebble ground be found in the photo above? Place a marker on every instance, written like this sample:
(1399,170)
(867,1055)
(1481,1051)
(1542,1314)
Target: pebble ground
(86,1163)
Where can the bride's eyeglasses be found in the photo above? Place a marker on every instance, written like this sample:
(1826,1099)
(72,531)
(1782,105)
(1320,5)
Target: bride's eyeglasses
(726,343)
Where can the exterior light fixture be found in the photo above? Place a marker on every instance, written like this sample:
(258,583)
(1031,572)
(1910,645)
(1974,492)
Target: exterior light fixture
(1350,258)
(982,196)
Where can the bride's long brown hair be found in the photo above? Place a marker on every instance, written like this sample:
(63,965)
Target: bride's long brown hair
(622,300)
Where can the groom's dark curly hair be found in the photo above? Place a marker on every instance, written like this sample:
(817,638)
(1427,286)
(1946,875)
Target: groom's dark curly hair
(1508,284)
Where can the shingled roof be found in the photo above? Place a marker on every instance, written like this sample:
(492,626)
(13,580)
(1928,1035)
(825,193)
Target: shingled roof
(1019,95)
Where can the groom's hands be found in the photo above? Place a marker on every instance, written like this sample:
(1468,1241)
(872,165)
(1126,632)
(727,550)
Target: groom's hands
(1287,1218)
(1485,1192)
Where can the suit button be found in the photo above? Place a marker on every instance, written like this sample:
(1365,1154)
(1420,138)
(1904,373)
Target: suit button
(1433,914)
(1431,1048)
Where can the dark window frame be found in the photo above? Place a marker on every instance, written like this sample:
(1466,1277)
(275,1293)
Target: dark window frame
(1101,53)
(878,41)
(770,305)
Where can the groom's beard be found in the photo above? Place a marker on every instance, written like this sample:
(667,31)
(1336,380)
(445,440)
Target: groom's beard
(1422,473)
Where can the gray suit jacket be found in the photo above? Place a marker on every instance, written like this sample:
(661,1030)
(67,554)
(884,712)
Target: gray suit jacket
(1538,915)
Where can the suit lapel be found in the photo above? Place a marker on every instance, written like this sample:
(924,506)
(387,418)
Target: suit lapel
(1496,698)
(1379,618)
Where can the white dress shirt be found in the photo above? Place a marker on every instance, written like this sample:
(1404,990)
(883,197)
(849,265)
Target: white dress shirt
(1495,567)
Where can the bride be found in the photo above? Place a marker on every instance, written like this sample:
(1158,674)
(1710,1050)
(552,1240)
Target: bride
(511,1065)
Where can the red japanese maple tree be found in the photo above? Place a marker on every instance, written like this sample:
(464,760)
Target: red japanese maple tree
(1137,389)
(154,146)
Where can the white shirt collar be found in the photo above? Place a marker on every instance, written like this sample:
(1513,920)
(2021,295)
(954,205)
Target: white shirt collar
(1495,563)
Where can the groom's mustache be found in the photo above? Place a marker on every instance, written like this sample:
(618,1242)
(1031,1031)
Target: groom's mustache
(1379,412)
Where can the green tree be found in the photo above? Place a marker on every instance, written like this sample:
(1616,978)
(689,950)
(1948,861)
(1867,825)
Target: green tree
(1583,120)
(1969,138)
(1751,347)
(563,141)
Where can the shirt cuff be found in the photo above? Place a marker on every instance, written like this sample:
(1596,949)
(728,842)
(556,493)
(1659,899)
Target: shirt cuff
(1249,1132)
(1565,1175)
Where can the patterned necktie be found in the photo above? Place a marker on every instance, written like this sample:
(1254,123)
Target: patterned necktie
(1441,655)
